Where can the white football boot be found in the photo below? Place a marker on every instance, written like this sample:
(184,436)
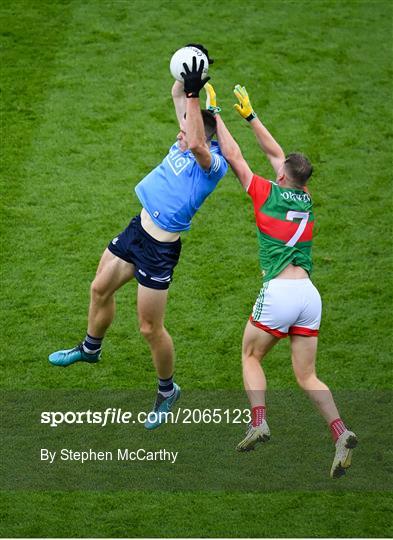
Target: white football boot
(346,442)
(253,436)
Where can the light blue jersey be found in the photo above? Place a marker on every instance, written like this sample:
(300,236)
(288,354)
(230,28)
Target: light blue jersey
(172,192)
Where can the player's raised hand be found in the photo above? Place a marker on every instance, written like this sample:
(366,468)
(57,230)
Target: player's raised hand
(244,107)
(193,82)
(211,99)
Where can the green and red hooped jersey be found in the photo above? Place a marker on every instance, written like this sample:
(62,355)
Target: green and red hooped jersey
(285,224)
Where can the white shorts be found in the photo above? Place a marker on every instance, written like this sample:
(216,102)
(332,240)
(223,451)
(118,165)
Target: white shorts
(288,306)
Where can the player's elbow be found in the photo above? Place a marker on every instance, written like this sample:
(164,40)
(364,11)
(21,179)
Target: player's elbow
(277,155)
(202,155)
(235,160)
(280,154)
(197,147)
(232,156)
(231,152)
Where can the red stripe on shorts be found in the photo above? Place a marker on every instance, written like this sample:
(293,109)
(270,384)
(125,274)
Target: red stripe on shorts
(302,331)
(274,332)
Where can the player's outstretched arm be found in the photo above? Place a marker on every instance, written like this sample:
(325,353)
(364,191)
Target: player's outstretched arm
(196,137)
(232,153)
(229,147)
(266,141)
(179,99)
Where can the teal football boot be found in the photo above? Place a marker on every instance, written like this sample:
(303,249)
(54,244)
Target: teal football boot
(70,356)
(162,407)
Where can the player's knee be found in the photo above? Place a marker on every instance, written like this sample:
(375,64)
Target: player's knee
(149,330)
(249,358)
(306,381)
(98,291)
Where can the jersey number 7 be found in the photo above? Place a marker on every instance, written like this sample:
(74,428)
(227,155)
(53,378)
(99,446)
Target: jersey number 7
(291,215)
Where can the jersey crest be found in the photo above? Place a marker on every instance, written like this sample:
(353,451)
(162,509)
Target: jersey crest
(177,160)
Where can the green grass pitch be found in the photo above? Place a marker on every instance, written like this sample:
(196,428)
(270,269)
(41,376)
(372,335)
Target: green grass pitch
(85,114)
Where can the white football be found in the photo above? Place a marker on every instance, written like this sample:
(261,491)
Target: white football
(185,55)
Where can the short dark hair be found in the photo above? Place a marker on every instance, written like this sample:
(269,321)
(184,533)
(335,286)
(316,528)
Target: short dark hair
(298,167)
(209,123)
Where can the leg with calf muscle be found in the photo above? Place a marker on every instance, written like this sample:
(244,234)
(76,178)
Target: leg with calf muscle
(304,352)
(256,344)
(151,313)
(112,273)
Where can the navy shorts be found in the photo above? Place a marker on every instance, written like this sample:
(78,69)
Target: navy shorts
(154,261)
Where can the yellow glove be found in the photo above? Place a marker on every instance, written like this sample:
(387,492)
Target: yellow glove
(211,99)
(244,107)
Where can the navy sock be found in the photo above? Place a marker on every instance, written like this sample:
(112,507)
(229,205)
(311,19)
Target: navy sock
(165,386)
(92,345)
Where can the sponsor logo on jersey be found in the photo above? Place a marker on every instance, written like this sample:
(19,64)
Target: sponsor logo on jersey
(301,197)
(177,161)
